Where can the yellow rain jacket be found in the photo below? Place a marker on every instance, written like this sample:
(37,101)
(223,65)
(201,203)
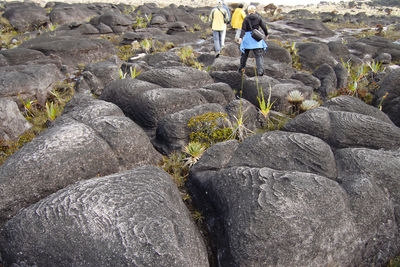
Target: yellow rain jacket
(237,18)
(218,17)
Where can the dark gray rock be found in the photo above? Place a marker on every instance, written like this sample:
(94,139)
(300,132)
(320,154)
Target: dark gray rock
(72,50)
(262,215)
(150,106)
(12,123)
(342,129)
(313,55)
(382,45)
(354,104)
(278,53)
(277,70)
(124,93)
(391,102)
(232,78)
(212,96)
(93,138)
(341,75)
(134,218)
(370,178)
(154,60)
(222,88)
(339,50)
(26,17)
(248,111)
(326,74)
(19,56)
(28,81)
(172,132)
(384,58)
(311,27)
(177,77)
(307,79)
(117,22)
(286,152)
(96,76)
(63,13)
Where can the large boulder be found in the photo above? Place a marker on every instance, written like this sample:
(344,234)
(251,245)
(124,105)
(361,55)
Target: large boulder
(72,50)
(312,55)
(354,104)
(134,218)
(26,17)
(382,45)
(286,151)
(12,123)
(326,74)
(311,27)
(96,76)
(177,77)
(280,218)
(388,96)
(19,56)
(117,22)
(63,13)
(342,129)
(370,178)
(150,106)
(93,138)
(28,81)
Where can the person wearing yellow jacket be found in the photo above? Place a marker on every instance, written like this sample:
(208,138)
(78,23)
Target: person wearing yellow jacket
(218,18)
(237,21)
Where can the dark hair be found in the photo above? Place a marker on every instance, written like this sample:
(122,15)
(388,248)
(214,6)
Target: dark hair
(240,5)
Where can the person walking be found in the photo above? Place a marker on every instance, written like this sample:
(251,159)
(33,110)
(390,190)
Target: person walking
(228,21)
(218,18)
(248,43)
(237,21)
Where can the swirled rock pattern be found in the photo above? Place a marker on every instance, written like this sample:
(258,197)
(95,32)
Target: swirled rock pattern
(177,77)
(346,129)
(279,218)
(93,138)
(134,218)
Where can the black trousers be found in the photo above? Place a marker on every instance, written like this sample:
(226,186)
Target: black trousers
(258,54)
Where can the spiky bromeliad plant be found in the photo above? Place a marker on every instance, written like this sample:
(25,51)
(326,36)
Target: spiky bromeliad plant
(194,151)
(295,98)
(309,104)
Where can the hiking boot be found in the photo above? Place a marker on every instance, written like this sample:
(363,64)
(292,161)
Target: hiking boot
(217,55)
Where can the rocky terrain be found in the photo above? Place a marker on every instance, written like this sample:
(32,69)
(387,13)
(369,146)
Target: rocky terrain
(299,185)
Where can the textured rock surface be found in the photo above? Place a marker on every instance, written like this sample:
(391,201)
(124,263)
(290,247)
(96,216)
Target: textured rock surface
(92,139)
(177,77)
(279,218)
(371,179)
(12,123)
(30,81)
(343,129)
(135,218)
(172,132)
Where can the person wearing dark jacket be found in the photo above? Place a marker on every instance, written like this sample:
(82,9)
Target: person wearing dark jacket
(248,43)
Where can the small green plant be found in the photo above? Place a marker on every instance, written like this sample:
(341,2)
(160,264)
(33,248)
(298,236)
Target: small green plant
(239,130)
(132,71)
(291,47)
(125,52)
(204,18)
(174,164)
(295,98)
(198,217)
(265,107)
(51,110)
(146,45)
(209,129)
(193,150)
(381,102)
(28,106)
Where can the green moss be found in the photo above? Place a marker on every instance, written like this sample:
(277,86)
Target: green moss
(208,129)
